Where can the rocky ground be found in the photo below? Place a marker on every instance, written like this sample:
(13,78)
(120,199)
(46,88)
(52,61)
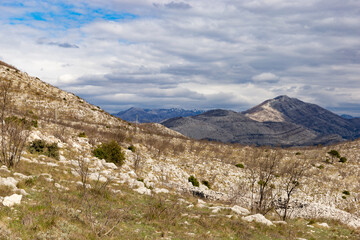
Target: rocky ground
(150,195)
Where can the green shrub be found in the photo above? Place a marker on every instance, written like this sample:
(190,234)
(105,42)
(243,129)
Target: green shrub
(111,152)
(132,148)
(334,153)
(345,192)
(320,167)
(37,146)
(206,183)
(53,151)
(82,135)
(34,123)
(343,160)
(41,147)
(194,181)
(311,222)
(239,165)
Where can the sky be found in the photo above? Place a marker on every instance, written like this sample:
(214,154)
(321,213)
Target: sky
(191,54)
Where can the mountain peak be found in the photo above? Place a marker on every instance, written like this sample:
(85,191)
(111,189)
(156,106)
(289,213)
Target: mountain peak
(282,97)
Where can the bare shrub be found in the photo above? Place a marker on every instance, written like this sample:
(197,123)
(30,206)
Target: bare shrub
(14,131)
(292,173)
(263,169)
(101,222)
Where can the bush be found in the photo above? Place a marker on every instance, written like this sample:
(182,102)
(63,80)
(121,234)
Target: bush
(334,153)
(239,165)
(194,181)
(53,151)
(111,152)
(41,147)
(343,160)
(206,183)
(37,146)
(132,148)
(345,192)
(82,135)
(34,123)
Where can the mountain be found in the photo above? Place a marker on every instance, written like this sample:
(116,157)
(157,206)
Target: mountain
(154,115)
(280,121)
(166,186)
(346,116)
(310,116)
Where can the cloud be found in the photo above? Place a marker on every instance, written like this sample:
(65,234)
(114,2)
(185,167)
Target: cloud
(266,77)
(191,54)
(177,5)
(58,44)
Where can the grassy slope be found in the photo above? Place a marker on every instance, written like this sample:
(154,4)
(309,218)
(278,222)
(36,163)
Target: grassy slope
(50,213)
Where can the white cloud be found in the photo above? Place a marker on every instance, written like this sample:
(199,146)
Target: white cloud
(229,54)
(265,77)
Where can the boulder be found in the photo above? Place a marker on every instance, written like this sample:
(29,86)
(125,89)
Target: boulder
(143,190)
(324,225)
(239,210)
(9,181)
(110,165)
(160,190)
(259,218)
(10,201)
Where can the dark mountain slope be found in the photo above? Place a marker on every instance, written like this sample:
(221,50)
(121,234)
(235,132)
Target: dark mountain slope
(229,126)
(154,115)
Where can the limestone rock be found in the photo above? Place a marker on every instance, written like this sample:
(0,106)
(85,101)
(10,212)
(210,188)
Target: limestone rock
(239,210)
(9,181)
(10,201)
(160,190)
(280,222)
(259,218)
(143,190)
(324,225)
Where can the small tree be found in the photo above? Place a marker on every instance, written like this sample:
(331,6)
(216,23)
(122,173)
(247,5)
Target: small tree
(263,169)
(292,172)
(334,154)
(14,131)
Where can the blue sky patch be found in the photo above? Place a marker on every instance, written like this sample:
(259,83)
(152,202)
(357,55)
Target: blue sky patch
(58,14)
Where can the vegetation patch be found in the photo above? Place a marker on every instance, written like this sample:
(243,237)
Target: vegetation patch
(42,147)
(239,165)
(194,181)
(111,152)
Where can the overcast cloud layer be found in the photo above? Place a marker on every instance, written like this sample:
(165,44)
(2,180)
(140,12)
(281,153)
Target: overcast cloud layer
(191,54)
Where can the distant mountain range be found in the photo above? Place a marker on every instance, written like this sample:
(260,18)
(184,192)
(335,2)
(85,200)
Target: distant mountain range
(142,115)
(282,121)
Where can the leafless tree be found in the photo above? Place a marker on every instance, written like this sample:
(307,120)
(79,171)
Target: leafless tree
(263,170)
(292,173)
(14,131)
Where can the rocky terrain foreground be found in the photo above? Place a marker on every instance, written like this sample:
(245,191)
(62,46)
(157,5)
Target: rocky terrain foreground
(167,186)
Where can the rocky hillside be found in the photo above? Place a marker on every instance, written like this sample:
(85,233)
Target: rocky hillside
(142,115)
(281,121)
(166,186)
